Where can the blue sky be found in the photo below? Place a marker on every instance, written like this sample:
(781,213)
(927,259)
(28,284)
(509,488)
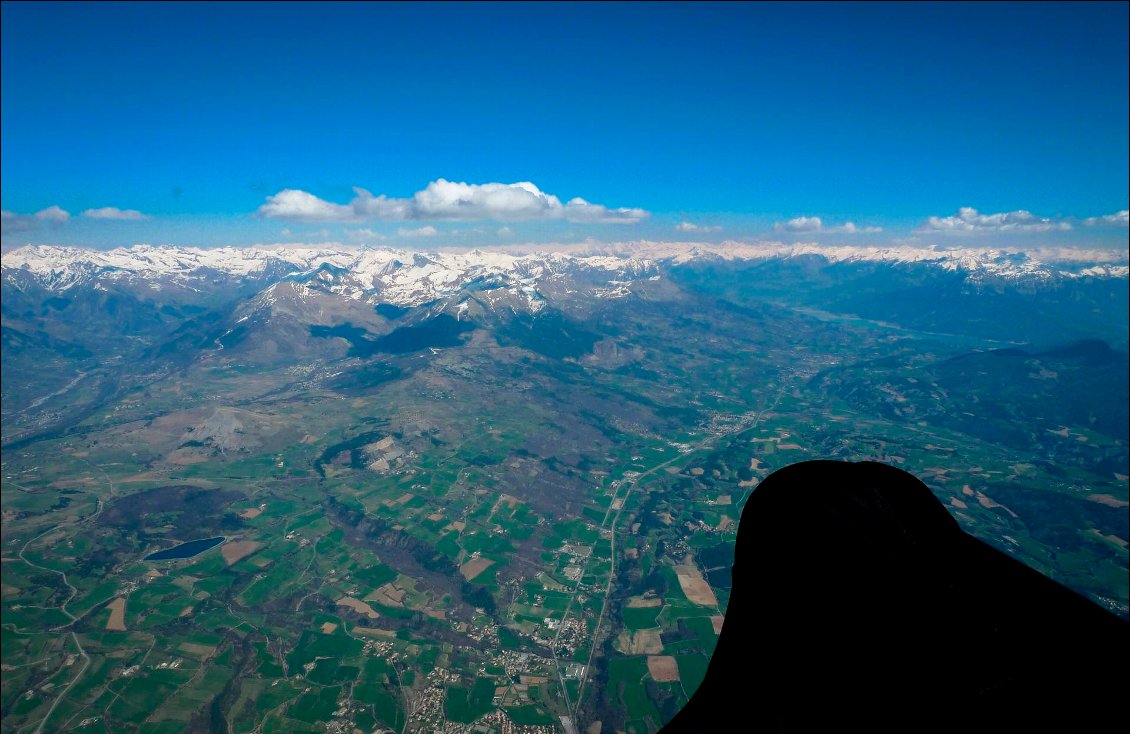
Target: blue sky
(211,124)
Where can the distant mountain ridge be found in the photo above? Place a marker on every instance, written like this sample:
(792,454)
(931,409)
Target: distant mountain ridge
(108,314)
(410,278)
(400,277)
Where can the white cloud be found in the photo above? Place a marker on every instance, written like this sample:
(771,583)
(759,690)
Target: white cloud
(800,224)
(367,206)
(813,225)
(425,231)
(853,228)
(364,234)
(504,232)
(1118,219)
(299,206)
(53,214)
(579,210)
(112,212)
(11,222)
(448,200)
(969,220)
(692,227)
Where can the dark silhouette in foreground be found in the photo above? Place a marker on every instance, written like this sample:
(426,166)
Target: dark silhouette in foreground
(858,604)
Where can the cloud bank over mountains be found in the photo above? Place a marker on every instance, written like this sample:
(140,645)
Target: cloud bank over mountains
(1118,219)
(116,214)
(56,216)
(969,220)
(10,222)
(448,200)
(523,210)
(815,225)
(685,226)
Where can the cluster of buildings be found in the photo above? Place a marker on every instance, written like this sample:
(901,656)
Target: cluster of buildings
(567,633)
(426,711)
(498,721)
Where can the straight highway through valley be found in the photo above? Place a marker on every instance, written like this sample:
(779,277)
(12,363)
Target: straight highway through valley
(609,523)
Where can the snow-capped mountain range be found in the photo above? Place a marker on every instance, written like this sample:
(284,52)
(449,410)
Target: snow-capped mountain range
(394,276)
(410,278)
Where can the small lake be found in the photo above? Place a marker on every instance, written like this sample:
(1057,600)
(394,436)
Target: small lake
(186,550)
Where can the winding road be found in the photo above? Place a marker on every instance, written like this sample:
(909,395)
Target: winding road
(62,607)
